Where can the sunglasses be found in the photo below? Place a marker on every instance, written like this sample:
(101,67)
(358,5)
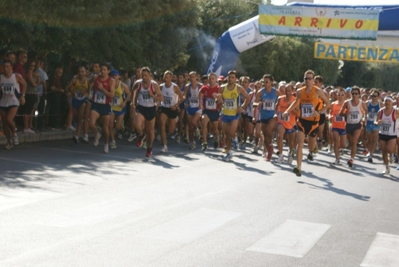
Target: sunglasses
(342,95)
(307,79)
(373,96)
(355,93)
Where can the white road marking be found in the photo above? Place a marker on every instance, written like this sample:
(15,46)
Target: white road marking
(192,226)
(383,252)
(291,238)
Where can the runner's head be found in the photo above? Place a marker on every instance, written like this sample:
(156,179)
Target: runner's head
(193,76)
(105,69)
(268,80)
(7,64)
(145,74)
(308,78)
(212,78)
(231,77)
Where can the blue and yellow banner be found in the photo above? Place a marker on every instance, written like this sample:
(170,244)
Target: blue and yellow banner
(356,53)
(336,23)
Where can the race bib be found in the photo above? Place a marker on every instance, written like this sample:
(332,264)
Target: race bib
(79,94)
(385,128)
(167,101)
(210,103)
(353,117)
(371,116)
(339,118)
(230,104)
(116,101)
(100,98)
(8,90)
(194,102)
(268,104)
(307,110)
(284,118)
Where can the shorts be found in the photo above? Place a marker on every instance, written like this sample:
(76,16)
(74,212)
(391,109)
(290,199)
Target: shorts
(213,115)
(247,118)
(351,128)
(266,121)
(386,138)
(102,109)
(322,119)
(6,109)
(288,131)
(172,114)
(340,131)
(308,127)
(119,113)
(182,106)
(76,103)
(228,119)
(192,111)
(147,112)
(30,101)
(371,127)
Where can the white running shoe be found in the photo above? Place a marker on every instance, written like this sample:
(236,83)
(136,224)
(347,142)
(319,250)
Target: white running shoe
(112,144)
(15,139)
(106,148)
(97,139)
(164,149)
(280,159)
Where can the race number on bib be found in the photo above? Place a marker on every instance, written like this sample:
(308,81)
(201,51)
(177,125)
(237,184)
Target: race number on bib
(79,94)
(284,118)
(371,116)
(116,101)
(268,104)
(167,101)
(307,110)
(339,118)
(8,90)
(385,128)
(353,117)
(210,103)
(230,104)
(194,102)
(100,98)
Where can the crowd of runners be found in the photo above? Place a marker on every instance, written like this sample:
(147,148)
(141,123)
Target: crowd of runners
(235,112)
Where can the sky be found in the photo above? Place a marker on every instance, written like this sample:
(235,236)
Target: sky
(345,2)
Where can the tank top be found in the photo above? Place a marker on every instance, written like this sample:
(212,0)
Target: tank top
(355,113)
(98,96)
(372,111)
(250,109)
(10,91)
(309,103)
(230,98)
(337,121)
(289,121)
(268,107)
(118,99)
(209,102)
(143,97)
(80,90)
(388,126)
(170,98)
(192,97)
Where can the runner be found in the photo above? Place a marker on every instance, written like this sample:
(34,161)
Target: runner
(247,116)
(79,89)
(307,99)
(103,91)
(266,101)
(228,95)
(118,106)
(13,88)
(169,109)
(181,82)
(338,125)
(386,119)
(191,94)
(210,110)
(354,110)
(145,94)
(286,126)
(372,130)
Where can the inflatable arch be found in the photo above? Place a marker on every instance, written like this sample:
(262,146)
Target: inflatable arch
(246,35)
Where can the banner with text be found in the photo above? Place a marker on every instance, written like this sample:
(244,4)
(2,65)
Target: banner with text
(356,53)
(336,23)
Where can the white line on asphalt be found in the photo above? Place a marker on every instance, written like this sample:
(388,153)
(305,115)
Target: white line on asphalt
(291,238)
(192,226)
(383,252)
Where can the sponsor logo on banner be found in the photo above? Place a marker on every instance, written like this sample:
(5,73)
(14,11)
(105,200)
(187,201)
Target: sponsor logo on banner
(356,53)
(336,23)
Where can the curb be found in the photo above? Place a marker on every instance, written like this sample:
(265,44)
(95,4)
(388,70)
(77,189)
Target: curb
(40,136)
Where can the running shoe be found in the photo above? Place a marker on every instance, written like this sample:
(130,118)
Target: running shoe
(387,170)
(235,144)
(228,157)
(215,144)
(70,128)
(290,158)
(365,152)
(15,139)
(106,148)
(164,149)
(280,159)
(370,159)
(310,156)
(139,142)
(242,146)
(112,144)
(149,152)
(336,162)
(75,139)
(178,139)
(350,163)
(132,136)
(193,146)
(85,139)
(97,139)
(8,146)
(297,171)
(204,146)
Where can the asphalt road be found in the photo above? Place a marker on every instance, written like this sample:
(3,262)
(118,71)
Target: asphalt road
(63,204)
